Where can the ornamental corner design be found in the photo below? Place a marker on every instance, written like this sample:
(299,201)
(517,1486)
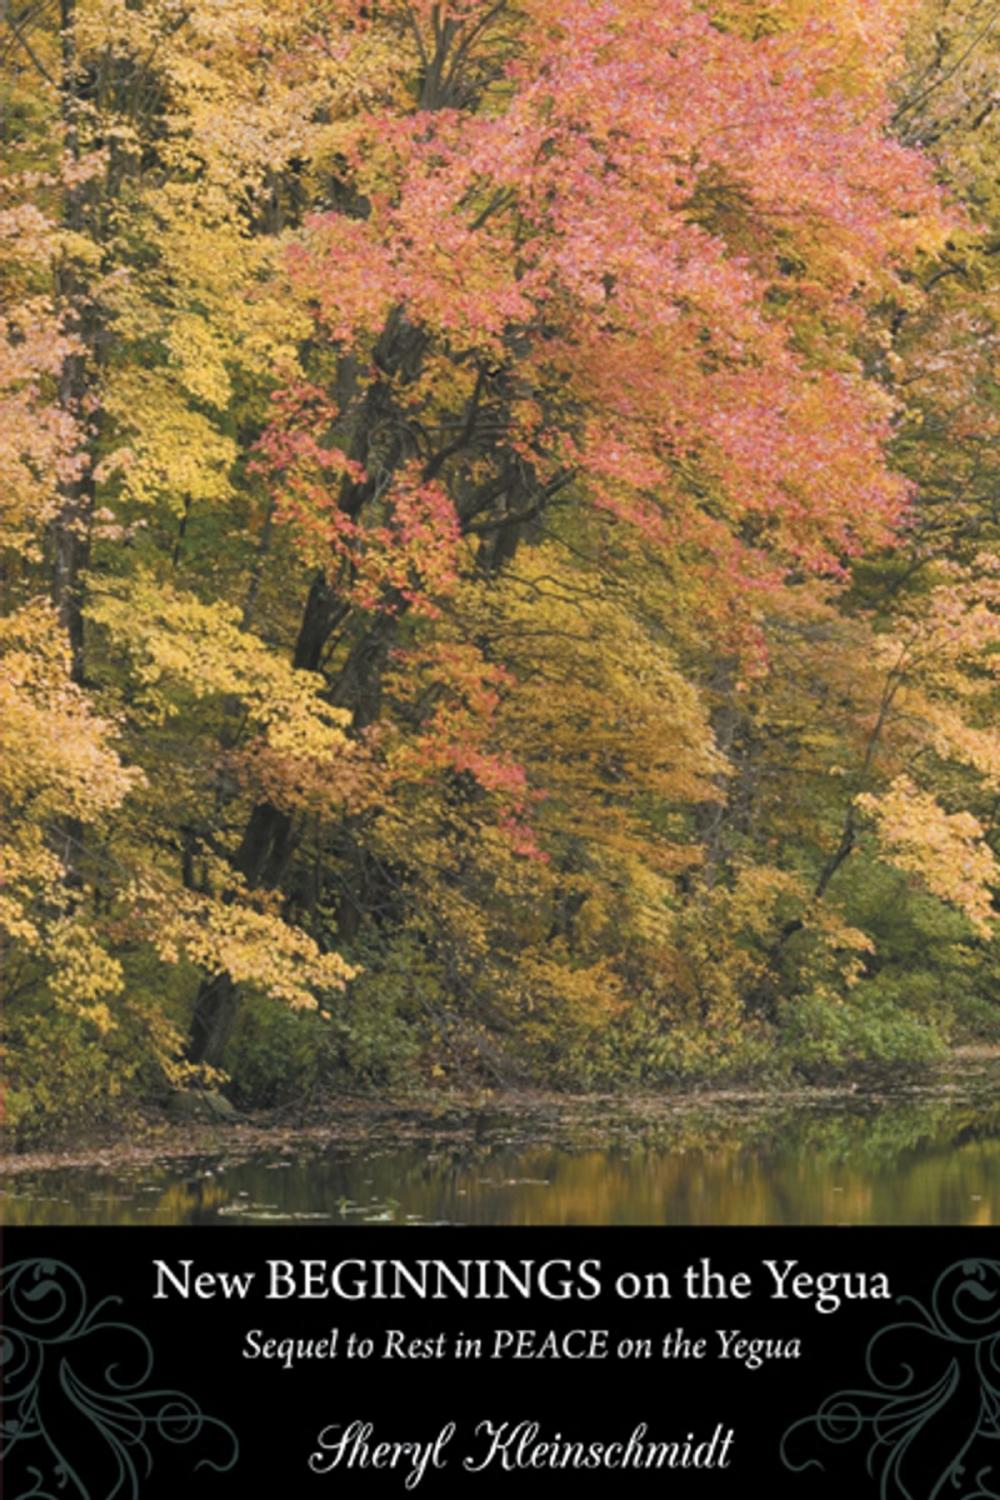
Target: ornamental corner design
(80,1416)
(927,1417)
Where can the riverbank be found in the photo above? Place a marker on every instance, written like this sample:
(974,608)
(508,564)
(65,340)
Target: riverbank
(373,1120)
(907,1151)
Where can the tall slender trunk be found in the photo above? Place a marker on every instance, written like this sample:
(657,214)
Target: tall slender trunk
(71,528)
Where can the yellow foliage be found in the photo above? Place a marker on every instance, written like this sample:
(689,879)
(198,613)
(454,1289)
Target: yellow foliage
(182,648)
(55,757)
(945,851)
(172,453)
(233,937)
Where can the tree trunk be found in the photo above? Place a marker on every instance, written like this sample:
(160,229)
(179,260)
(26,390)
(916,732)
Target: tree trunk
(269,839)
(212,1023)
(71,528)
(267,845)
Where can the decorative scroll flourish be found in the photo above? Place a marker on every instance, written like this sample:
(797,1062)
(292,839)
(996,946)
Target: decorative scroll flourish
(929,1416)
(79,1413)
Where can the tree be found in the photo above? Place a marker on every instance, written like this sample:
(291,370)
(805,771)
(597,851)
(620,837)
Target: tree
(453,440)
(496,362)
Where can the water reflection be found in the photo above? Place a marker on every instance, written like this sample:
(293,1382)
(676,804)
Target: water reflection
(877,1162)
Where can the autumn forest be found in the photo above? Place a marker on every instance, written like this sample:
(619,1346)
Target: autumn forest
(499,544)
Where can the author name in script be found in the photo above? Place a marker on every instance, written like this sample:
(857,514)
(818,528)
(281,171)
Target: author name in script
(512,1447)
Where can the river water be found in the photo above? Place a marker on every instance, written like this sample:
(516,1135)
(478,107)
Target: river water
(919,1156)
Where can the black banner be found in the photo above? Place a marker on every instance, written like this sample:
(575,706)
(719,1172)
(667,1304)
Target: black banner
(804,1362)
